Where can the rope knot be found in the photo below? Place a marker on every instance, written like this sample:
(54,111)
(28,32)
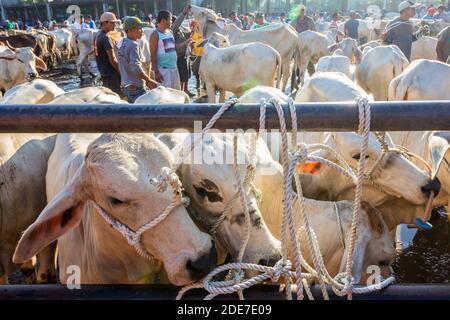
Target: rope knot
(301,153)
(282,267)
(165,178)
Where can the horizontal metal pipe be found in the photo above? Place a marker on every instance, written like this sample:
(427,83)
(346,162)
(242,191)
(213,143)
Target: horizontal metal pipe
(131,292)
(342,116)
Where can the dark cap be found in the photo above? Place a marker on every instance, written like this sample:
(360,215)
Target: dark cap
(259,15)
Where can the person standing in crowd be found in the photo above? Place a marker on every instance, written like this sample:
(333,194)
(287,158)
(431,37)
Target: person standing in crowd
(196,52)
(334,21)
(351,26)
(104,53)
(90,23)
(441,14)
(443,45)
(148,19)
(400,31)
(163,52)
(429,15)
(182,41)
(133,77)
(244,22)
(283,17)
(251,21)
(260,21)
(303,22)
(234,20)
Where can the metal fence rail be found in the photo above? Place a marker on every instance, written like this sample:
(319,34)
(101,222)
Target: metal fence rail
(167,292)
(386,116)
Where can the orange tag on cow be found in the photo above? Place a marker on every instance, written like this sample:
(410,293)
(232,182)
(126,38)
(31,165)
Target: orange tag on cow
(312,167)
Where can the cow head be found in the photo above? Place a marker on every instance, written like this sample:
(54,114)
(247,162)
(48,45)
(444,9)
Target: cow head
(31,62)
(116,175)
(204,17)
(393,175)
(375,250)
(211,185)
(350,49)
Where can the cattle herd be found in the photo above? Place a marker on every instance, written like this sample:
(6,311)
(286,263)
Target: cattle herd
(64,190)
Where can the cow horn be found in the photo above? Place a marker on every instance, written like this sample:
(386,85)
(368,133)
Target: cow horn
(9,45)
(40,64)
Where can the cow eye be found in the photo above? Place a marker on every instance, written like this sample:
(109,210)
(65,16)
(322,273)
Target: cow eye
(115,201)
(358,156)
(212,196)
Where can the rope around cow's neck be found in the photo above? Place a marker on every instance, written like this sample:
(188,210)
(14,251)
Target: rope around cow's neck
(134,237)
(282,268)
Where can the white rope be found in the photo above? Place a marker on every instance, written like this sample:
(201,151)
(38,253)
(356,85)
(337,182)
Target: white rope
(341,284)
(134,237)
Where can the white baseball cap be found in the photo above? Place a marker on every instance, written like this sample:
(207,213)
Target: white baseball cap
(407,4)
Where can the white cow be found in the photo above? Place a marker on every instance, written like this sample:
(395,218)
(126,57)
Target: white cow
(335,63)
(349,48)
(378,67)
(36,91)
(237,68)
(211,186)
(85,44)
(23,159)
(283,38)
(162,95)
(112,173)
(311,47)
(424,48)
(422,80)
(64,41)
(89,95)
(23,164)
(347,144)
(331,223)
(323,86)
(16,67)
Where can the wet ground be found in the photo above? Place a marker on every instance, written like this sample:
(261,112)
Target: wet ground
(425,259)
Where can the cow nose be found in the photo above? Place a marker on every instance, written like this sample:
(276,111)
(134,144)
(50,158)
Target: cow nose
(199,268)
(271,261)
(434,185)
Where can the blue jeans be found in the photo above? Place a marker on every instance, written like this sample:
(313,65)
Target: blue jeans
(133,94)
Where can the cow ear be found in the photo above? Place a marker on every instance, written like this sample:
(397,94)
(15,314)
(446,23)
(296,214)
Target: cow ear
(221,23)
(438,147)
(40,64)
(374,219)
(61,214)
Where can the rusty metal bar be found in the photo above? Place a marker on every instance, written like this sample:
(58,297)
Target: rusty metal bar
(342,116)
(167,292)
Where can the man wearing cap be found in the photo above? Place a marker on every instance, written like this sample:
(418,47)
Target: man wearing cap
(400,31)
(104,53)
(134,79)
(351,26)
(234,20)
(260,21)
(303,22)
